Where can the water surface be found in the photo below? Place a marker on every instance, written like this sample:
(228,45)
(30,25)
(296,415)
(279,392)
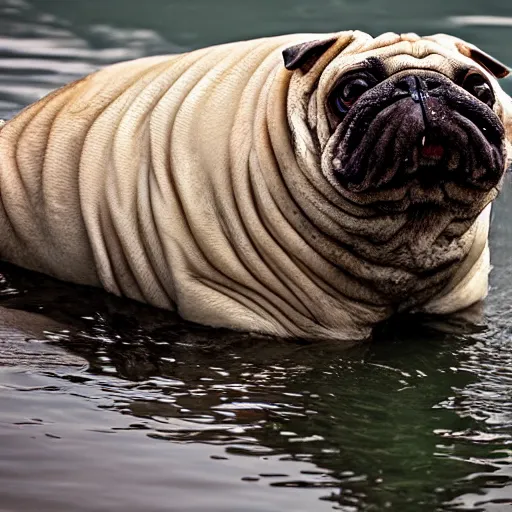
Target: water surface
(108,405)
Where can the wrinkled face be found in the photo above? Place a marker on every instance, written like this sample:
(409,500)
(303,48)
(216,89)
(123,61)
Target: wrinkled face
(415,136)
(414,124)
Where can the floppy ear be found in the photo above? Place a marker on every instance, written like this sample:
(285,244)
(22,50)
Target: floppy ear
(506,115)
(494,66)
(304,54)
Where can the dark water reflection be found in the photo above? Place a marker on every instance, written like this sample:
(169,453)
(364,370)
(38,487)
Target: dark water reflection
(108,405)
(409,422)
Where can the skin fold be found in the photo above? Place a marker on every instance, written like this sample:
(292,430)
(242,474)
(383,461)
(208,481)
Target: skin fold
(224,185)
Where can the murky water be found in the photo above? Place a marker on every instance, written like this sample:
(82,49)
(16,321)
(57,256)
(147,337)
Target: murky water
(106,405)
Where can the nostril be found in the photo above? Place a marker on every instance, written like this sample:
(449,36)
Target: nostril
(406,84)
(402,86)
(417,84)
(432,84)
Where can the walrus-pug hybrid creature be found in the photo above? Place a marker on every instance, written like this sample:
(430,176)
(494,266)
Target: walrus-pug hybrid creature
(304,185)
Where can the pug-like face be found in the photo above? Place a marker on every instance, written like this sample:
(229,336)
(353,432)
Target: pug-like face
(405,123)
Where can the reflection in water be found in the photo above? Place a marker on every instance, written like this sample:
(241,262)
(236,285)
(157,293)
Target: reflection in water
(107,404)
(398,422)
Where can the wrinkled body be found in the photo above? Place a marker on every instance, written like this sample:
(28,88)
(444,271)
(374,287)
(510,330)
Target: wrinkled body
(175,181)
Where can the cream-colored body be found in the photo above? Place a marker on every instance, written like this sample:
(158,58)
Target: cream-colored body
(167,180)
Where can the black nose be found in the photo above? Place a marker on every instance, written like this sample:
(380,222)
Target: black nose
(418,87)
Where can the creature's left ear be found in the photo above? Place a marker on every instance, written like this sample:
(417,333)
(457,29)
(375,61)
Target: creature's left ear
(494,66)
(299,55)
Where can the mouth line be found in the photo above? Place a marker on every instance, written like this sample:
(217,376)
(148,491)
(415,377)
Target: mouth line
(429,175)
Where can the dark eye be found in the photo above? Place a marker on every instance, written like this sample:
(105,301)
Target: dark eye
(349,90)
(478,86)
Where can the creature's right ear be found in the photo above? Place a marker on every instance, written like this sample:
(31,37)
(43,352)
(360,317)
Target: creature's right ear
(305,54)
(490,63)
(506,103)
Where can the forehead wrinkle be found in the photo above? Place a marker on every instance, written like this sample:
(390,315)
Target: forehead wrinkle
(395,56)
(419,48)
(386,39)
(434,61)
